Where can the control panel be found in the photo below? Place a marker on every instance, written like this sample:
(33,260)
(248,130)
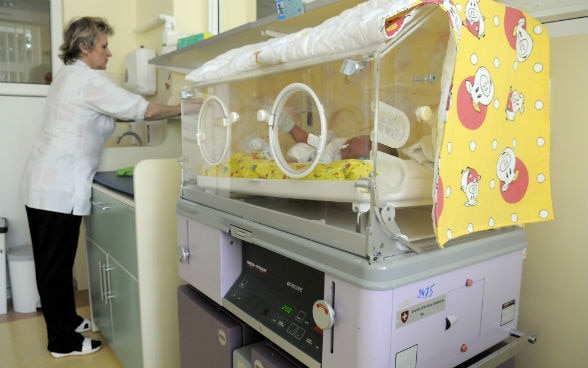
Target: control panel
(280,293)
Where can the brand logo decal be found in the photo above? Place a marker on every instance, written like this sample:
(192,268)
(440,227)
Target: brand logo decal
(292,285)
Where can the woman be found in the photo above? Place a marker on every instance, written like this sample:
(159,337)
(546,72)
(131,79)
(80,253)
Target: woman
(81,108)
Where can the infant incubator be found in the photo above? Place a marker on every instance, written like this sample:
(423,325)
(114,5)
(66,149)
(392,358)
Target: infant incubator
(357,149)
(238,143)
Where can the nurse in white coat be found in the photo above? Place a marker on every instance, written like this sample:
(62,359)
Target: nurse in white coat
(81,108)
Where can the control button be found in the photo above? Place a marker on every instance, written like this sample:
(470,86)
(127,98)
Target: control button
(292,328)
(299,333)
(281,322)
(300,316)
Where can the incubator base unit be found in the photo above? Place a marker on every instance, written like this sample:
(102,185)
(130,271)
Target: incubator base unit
(328,308)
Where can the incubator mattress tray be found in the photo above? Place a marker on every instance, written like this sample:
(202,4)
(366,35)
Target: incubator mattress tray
(403,183)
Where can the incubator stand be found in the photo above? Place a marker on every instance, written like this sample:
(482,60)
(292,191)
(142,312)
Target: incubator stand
(369,120)
(325,307)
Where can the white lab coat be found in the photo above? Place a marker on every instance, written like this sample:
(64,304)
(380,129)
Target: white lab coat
(79,117)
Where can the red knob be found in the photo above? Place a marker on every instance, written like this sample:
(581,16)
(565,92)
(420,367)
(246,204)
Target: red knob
(469,282)
(464,348)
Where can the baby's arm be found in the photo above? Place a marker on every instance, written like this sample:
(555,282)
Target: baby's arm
(298,134)
(360,147)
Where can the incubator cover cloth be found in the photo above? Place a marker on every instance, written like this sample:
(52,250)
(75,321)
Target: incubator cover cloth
(492,161)
(493,165)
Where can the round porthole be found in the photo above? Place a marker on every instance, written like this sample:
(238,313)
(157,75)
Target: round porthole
(214,130)
(297,104)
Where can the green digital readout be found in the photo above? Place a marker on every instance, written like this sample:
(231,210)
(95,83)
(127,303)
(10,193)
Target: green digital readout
(287,308)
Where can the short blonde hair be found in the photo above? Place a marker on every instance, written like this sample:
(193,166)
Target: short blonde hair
(82,31)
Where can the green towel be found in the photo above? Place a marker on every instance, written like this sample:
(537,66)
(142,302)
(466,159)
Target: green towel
(127,171)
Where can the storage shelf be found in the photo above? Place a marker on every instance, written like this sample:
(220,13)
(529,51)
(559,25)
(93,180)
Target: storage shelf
(191,57)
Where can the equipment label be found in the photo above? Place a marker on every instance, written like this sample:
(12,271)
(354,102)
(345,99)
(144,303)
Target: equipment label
(508,312)
(289,8)
(419,311)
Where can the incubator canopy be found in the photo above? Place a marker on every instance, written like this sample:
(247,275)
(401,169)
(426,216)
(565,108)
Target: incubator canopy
(487,148)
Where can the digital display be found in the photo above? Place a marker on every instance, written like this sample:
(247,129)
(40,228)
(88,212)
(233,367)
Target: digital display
(287,308)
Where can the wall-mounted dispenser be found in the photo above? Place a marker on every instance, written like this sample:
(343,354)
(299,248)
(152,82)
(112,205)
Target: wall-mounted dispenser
(169,37)
(140,76)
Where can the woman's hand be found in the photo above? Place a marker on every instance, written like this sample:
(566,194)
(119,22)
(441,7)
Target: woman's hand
(157,111)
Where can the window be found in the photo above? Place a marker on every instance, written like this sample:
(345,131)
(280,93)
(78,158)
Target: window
(20,55)
(25,41)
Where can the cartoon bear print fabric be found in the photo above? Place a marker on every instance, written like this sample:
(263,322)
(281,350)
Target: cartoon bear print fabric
(492,168)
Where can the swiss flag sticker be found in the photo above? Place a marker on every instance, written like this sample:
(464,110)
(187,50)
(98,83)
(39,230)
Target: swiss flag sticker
(404,316)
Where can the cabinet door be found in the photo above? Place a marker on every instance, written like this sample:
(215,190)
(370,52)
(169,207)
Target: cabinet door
(112,225)
(97,268)
(126,318)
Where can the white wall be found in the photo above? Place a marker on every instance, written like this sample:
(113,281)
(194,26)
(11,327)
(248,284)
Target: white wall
(21,117)
(554,295)
(21,108)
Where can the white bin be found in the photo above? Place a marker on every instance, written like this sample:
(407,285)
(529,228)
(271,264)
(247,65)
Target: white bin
(21,266)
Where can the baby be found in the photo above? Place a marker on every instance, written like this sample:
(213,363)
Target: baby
(358,147)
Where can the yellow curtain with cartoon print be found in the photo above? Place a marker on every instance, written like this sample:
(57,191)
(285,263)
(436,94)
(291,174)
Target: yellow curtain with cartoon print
(492,168)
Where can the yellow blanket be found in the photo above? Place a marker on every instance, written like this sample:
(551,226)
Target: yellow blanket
(254,166)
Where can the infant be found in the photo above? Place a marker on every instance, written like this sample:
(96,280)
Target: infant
(358,147)
(336,149)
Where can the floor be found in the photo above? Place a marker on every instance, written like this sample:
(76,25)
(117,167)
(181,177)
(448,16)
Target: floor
(24,342)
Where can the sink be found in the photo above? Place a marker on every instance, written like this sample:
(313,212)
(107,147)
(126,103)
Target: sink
(114,158)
